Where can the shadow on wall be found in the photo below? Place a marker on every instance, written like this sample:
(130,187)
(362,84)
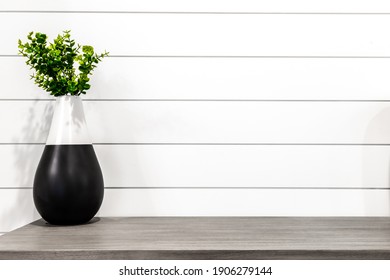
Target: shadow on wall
(27,154)
(373,171)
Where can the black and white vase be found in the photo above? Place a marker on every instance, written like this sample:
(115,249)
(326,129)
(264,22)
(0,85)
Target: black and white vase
(68,185)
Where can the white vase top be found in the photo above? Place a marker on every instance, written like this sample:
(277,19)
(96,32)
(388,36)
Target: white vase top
(68,126)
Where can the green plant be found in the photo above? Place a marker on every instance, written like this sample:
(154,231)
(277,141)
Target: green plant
(60,67)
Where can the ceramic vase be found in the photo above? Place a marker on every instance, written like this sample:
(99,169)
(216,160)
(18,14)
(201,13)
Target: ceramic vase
(68,185)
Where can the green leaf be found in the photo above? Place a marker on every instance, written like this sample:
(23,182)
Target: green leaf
(54,63)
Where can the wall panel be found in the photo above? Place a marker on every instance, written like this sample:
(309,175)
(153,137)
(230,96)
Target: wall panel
(218,79)
(16,208)
(208,122)
(275,6)
(210,34)
(218,166)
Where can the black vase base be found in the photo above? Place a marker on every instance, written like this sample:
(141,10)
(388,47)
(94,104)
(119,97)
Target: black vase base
(68,185)
(44,223)
(66,223)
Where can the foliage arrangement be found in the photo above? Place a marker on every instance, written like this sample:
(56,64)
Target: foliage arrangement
(62,67)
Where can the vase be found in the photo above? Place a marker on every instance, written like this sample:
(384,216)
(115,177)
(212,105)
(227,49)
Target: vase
(68,185)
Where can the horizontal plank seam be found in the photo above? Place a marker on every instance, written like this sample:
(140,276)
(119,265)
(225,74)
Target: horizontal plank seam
(200,100)
(226,188)
(247,144)
(235,56)
(213,144)
(189,12)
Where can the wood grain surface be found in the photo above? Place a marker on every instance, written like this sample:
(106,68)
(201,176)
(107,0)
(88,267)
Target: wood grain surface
(203,238)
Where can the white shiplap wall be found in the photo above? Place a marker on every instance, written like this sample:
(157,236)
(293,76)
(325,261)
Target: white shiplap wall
(213,107)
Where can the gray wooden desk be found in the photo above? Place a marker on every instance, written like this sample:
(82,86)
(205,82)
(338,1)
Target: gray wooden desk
(203,238)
